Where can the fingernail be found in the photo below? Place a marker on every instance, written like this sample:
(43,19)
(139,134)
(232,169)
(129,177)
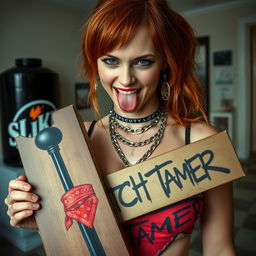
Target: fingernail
(26,187)
(35,206)
(34,198)
(28,211)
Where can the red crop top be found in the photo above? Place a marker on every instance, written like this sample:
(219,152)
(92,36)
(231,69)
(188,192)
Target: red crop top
(152,233)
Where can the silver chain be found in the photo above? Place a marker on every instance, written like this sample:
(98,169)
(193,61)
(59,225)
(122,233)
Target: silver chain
(157,140)
(141,143)
(138,130)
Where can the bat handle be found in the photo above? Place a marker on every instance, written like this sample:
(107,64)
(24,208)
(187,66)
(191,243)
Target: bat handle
(49,139)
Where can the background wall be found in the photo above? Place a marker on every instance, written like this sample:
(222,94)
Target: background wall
(30,28)
(222,27)
(34,29)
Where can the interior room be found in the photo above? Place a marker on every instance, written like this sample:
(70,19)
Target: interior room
(51,30)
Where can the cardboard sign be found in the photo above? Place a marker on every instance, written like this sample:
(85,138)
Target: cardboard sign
(76,217)
(173,176)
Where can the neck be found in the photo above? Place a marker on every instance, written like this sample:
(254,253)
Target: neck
(136,114)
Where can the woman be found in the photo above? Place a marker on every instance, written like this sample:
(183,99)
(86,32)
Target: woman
(142,53)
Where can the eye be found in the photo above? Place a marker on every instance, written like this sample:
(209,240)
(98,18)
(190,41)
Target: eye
(144,62)
(110,61)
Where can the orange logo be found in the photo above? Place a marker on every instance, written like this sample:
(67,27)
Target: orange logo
(35,111)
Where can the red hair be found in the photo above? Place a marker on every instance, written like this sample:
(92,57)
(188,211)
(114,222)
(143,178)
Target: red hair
(114,22)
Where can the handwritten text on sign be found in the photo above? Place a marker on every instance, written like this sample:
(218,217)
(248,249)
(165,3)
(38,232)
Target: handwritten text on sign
(174,176)
(167,173)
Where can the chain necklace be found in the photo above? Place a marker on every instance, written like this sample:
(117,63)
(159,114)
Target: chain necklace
(138,130)
(121,154)
(141,143)
(135,120)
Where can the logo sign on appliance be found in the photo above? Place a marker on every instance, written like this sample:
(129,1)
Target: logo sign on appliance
(30,120)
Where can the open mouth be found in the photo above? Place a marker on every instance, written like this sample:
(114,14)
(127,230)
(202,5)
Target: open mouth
(127,98)
(127,91)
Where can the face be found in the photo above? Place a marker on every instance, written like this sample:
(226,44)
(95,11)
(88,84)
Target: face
(130,75)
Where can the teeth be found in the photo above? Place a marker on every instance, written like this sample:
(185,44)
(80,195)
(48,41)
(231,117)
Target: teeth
(127,92)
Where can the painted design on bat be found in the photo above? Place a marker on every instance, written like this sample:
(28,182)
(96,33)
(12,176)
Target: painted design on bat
(80,204)
(49,140)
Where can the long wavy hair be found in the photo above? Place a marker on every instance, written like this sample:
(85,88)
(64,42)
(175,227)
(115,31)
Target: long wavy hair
(113,23)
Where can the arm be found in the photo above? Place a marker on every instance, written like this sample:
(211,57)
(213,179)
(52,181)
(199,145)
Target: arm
(217,219)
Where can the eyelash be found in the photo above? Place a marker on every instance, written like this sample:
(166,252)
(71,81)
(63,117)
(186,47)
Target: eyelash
(114,62)
(145,63)
(108,60)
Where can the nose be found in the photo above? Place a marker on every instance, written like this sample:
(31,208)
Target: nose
(126,76)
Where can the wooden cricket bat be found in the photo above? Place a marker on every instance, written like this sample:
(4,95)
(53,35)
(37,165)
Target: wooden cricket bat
(60,216)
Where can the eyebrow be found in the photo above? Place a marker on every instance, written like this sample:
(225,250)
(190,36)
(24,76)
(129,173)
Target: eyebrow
(139,57)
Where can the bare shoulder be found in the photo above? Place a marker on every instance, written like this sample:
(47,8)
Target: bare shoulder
(201,130)
(87,124)
(100,125)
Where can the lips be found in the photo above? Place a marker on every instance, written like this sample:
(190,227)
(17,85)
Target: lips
(127,98)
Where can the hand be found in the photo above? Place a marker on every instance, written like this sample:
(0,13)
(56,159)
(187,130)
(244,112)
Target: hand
(22,204)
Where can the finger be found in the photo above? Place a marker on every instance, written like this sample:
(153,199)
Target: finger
(18,217)
(22,206)
(21,177)
(19,184)
(16,195)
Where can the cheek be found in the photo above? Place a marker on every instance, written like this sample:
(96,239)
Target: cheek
(106,76)
(151,78)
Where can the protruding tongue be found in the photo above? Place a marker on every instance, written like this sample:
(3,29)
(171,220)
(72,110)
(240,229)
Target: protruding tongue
(127,102)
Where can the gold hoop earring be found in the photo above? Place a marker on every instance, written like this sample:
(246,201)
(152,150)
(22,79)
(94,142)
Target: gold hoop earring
(165,91)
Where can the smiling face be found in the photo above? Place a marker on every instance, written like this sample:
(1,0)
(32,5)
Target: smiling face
(130,75)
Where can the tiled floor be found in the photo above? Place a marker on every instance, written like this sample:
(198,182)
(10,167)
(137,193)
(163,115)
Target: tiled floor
(245,220)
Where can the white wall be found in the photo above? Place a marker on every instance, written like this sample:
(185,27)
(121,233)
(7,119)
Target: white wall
(34,29)
(48,31)
(222,26)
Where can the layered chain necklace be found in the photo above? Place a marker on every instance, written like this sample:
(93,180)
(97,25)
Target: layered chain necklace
(116,137)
